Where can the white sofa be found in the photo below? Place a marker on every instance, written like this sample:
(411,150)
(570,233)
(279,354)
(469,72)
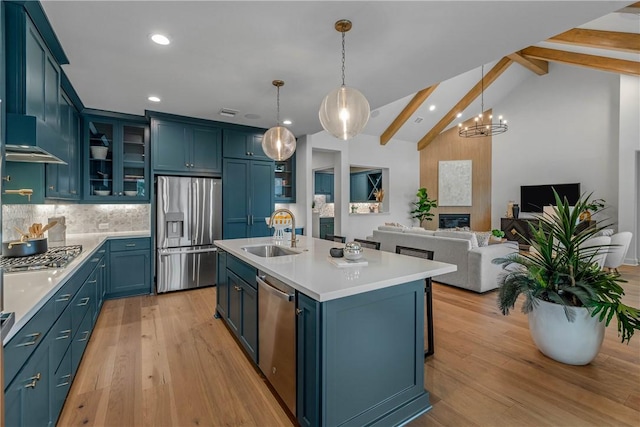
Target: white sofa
(475,272)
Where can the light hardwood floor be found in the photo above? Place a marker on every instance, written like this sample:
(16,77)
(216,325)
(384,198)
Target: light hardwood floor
(164,361)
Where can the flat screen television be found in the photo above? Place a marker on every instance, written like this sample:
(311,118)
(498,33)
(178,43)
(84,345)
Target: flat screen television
(534,197)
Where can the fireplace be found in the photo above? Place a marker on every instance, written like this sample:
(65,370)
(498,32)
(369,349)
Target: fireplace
(454,220)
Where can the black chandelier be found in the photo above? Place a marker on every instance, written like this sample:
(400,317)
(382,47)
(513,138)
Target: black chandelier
(479,128)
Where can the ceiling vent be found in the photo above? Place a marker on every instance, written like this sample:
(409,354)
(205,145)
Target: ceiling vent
(418,120)
(228,112)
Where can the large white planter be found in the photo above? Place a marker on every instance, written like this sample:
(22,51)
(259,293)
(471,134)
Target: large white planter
(573,343)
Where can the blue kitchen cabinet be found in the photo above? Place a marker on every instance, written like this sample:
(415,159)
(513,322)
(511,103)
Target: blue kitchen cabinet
(242,315)
(243,144)
(285,180)
(27,397)
(23,176)
(63,181)
(247,197)
(116,159)
(358,187)
(324,185)
(326,226)
(222,285)
(308,362)
(186,148)
(129,267)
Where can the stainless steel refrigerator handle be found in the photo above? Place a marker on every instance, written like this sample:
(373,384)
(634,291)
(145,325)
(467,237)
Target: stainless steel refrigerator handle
(267,287)
(194,251)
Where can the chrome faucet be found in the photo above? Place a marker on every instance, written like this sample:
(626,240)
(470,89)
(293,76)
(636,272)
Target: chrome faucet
(293,224)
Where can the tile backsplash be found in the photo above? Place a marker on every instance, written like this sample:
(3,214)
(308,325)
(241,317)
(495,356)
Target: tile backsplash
(79,218)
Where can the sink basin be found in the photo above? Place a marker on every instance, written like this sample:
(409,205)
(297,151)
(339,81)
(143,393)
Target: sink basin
(268,251)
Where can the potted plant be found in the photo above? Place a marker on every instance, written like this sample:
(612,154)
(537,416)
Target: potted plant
(591,208)
(568,297)
(497,234)
(423,206)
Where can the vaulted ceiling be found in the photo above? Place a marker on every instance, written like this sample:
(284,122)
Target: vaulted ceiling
(224,54)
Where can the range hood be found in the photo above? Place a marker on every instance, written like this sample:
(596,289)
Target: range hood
(31,140)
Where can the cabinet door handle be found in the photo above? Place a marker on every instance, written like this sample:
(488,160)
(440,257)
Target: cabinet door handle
(191,165)
(51,187)
(73,192)
(103,265)
(95,259)
(63,298)
(84,301)
(102,251)
(86,335)
(248,153)
(67,334)
(64,377)
(130,245)
(186,164)
(35,337)
(237,288)
(298,312)
(34,380)
(93,281)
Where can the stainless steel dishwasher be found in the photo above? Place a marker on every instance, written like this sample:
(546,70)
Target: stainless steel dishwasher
(276,336)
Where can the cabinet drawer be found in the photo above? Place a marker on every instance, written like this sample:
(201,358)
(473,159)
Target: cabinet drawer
(243,270)
(60,338)
(60,385)
(63,297)
(80,340)
(18,350)
(81,303)
(130,244)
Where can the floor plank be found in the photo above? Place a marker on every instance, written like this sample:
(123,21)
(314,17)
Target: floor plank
(164,361)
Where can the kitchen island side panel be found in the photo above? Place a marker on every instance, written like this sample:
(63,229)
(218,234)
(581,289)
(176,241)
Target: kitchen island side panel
(373,362)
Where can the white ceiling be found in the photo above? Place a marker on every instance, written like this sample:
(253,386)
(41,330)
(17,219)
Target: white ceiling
(226,53)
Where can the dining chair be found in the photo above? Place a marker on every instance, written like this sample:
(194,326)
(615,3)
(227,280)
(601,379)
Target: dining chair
(335,238)
(426,254)
(371,244)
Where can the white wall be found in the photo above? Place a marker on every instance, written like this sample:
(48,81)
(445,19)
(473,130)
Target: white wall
(400,157)
(629,162)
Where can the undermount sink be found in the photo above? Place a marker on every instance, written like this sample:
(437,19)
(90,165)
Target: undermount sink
(269,251)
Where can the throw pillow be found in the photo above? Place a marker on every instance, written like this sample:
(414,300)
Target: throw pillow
(466,235)
(483,238)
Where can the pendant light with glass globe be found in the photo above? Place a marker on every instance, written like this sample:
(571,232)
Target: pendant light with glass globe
(278,142)
(344,112)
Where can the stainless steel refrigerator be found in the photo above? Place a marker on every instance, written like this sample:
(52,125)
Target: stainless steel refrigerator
(188,220)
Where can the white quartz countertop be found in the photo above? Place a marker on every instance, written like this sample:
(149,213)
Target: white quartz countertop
(311,273)
(26,292)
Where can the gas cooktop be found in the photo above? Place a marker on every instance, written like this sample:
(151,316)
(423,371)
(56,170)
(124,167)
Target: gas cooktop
(56,257)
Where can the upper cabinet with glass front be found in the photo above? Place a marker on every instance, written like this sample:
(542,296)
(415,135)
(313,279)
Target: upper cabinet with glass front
(116,160)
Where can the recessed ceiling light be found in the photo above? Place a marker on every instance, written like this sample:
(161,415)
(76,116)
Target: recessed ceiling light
(459,115)
(153,99)
(160,39)
(286,122)
(432,107)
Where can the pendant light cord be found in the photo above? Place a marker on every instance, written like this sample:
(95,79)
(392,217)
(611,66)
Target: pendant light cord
(482,93)
(343,55)
(278,105)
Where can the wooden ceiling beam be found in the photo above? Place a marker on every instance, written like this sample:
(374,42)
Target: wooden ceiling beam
(602,63)
(612,40)
(466,100)
(415,103)
(632,8)
(536,65)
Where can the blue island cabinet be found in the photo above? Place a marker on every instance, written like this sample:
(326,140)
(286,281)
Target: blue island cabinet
(361,359)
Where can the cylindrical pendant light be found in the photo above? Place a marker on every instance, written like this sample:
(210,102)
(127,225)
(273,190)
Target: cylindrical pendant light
(278,142)
(344,112)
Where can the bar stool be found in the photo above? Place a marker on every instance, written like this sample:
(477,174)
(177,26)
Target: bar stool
(426,254)
(335,238)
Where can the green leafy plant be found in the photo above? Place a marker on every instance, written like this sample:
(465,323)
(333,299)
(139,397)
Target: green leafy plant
(423,206)
(561,269)
(497,233)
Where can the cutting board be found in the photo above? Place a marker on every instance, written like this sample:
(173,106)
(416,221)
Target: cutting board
(343,262)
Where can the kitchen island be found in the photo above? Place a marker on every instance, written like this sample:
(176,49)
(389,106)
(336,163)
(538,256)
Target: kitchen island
(359,329)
